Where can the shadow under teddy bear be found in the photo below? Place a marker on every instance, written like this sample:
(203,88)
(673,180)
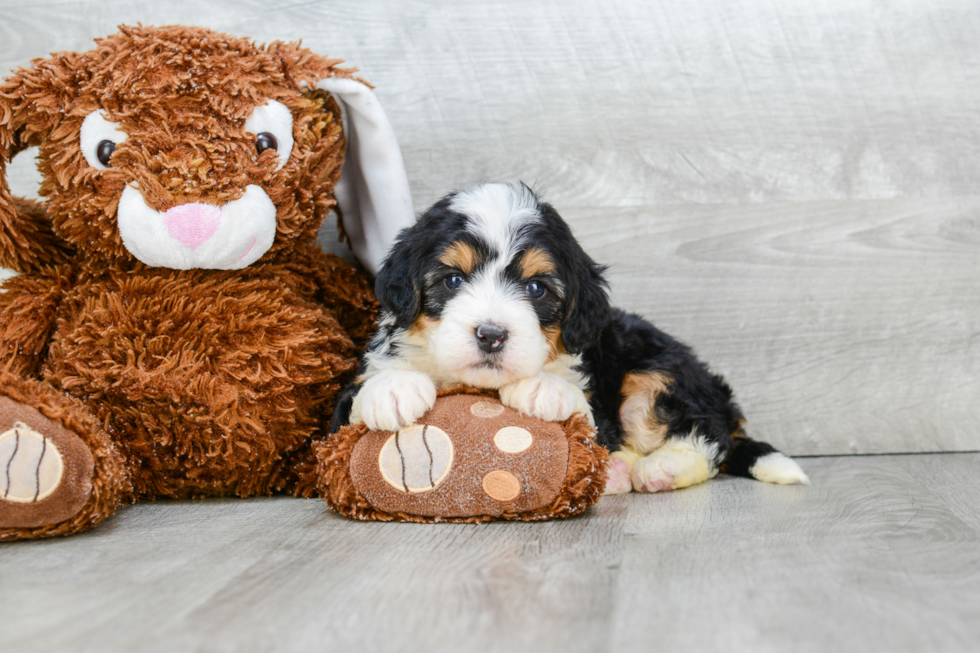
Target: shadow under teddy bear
(174,330)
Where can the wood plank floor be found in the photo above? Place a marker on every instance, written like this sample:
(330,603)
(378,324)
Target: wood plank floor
(880,553)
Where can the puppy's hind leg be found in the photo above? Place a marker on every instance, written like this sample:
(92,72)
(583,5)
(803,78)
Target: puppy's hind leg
(618,478)
(655,459)
(679,463)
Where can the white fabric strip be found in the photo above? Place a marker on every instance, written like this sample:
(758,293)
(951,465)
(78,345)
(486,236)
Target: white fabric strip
(373,191)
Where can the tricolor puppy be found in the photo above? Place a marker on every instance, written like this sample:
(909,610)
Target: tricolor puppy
(489,288)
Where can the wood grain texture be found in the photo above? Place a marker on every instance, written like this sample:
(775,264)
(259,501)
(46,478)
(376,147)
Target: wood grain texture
(791,187)
(879,554)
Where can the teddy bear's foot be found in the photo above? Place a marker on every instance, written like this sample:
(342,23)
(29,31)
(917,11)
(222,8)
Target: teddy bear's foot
(45,469)
(52,480)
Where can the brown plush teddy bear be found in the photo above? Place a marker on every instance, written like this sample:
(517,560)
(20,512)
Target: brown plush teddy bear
(174,330)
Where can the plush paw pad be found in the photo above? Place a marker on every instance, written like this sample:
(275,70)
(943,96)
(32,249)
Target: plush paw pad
(393,400)
(31,467)
(545,396)
(468,457)
(45,469)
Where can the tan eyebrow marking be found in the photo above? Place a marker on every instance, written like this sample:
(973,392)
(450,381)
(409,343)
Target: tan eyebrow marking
(460,256)
(536,262)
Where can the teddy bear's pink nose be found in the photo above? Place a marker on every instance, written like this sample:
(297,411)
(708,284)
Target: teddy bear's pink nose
(192,224)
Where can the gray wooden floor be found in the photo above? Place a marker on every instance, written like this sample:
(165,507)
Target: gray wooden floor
(880,553)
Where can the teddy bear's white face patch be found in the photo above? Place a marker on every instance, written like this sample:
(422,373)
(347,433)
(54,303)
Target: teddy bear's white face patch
(198,235)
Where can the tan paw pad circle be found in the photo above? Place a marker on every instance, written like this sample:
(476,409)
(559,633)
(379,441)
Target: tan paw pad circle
(486,409)
(416,459)
(501,485)
(513,439)
(31,467)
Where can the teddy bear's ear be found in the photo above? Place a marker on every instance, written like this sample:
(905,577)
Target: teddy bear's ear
(27,98)
(373,193)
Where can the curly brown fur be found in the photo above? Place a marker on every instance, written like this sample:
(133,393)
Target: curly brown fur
(209,382)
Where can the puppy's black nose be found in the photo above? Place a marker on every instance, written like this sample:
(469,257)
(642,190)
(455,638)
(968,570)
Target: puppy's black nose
(490,337)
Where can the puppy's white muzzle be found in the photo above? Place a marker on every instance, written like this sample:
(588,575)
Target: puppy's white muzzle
(198,235)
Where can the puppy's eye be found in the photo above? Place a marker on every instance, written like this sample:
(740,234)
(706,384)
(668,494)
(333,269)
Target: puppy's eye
(266,141)
(104,152)
(534,289)
(454,281)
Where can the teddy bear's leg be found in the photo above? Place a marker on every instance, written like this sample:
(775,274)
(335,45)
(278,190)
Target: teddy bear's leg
(299,472)
(59,472)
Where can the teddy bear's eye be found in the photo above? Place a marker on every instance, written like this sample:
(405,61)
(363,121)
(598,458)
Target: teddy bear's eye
(104,152)
(99,138)
(271,125)
(266,141)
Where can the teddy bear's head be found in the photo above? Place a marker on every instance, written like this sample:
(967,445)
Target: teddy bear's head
(181,147)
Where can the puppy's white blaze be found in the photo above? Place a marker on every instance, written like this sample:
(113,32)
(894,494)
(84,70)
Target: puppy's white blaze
(779,469)
(497,212)
(246,231)
(488,299)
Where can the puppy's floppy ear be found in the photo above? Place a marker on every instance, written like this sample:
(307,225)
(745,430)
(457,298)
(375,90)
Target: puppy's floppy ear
(31,103)
(398,285)
(587,308)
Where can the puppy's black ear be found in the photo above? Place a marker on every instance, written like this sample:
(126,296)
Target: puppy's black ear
(398,285)
(587,309)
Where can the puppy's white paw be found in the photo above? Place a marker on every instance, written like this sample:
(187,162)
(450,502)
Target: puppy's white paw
(546,396)
(677,464)
(393,399)
(618,480)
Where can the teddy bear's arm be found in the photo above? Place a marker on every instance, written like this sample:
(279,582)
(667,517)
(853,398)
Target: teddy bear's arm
(28,308)
(26,240)
(347,291)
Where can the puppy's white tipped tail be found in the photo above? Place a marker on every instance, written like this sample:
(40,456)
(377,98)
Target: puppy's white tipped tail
(779,469)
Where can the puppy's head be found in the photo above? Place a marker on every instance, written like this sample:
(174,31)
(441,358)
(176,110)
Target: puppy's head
(493,286)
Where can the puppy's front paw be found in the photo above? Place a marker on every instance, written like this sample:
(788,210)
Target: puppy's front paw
(393,399)
(545,396)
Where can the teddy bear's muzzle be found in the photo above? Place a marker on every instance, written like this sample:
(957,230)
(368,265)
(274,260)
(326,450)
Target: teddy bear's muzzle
(198,234)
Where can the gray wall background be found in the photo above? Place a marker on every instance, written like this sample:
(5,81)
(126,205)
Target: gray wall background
(790,186)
